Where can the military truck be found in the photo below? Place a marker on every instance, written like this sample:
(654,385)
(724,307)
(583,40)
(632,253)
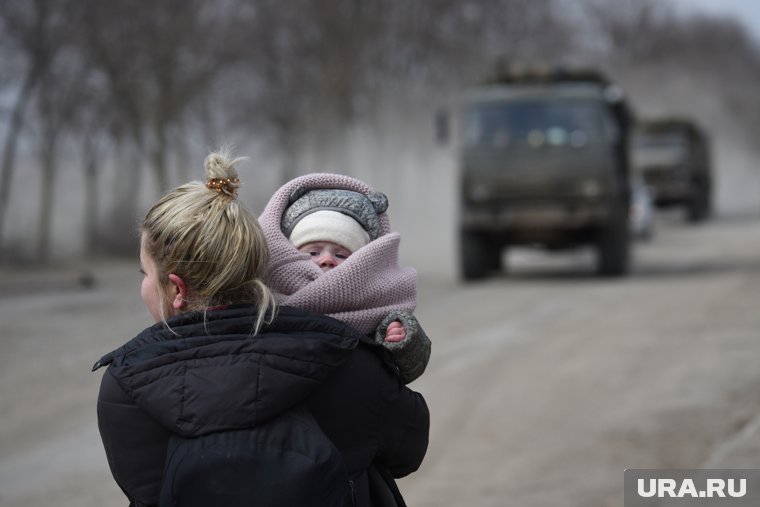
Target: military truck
(544,161)
(673,155)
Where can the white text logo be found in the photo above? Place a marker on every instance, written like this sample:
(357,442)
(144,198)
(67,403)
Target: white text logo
(662,488)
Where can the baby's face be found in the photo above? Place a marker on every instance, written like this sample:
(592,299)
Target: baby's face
(325,254)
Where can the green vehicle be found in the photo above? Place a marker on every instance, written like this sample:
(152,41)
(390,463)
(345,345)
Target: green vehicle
(673,155)
(544,161)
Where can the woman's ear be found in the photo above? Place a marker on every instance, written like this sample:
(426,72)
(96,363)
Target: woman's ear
(177,292)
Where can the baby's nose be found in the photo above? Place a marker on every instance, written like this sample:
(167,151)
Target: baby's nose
(327,261)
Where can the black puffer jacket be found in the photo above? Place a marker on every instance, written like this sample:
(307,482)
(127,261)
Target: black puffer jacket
(214,376)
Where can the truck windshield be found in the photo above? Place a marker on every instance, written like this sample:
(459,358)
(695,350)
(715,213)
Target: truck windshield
(654,149)
(533,123)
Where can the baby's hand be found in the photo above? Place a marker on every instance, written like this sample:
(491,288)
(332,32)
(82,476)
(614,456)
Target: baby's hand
(395,332)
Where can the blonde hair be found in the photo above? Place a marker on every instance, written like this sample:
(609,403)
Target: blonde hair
(201,233)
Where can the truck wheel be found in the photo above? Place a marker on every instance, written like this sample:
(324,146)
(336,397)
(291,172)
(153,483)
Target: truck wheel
(613,247)
(478,256)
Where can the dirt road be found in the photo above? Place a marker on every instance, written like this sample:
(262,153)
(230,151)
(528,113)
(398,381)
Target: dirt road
(543,385)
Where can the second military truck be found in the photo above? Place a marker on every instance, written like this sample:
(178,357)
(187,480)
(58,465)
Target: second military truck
(673,155)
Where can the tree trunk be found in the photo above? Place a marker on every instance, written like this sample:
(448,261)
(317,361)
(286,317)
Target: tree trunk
(9,148)
(159,161)
(91,201)
(49,165)
(119,232)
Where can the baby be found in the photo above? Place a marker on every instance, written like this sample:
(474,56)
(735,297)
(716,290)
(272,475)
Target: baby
(351,269)
(330,237)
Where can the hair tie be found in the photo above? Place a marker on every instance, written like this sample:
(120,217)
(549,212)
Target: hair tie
(227,186)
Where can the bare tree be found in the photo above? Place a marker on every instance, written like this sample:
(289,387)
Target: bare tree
(95,128)
(156,62)
(629,28)
(53,111)
(33,28)
(92,151)
(157,59)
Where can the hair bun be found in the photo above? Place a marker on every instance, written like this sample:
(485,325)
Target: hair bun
(221,175)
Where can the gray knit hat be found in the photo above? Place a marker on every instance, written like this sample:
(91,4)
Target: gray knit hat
(365,209)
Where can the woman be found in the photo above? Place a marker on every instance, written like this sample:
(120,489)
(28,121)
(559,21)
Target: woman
(222,357)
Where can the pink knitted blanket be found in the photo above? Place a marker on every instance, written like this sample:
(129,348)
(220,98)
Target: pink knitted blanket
(360,291)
